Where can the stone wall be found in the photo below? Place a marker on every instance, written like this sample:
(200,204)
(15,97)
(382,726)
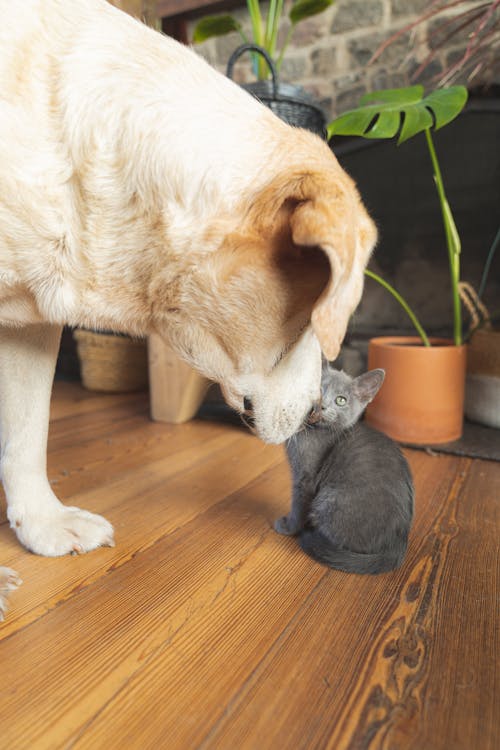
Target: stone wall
(330,53)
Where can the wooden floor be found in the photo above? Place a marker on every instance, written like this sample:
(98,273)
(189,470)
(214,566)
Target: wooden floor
(203,628)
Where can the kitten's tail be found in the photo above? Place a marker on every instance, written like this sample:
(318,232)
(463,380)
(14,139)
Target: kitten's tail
(320,548)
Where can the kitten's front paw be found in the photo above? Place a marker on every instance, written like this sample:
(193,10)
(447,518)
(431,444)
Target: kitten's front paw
(287,526)
(62,530)
(9,580)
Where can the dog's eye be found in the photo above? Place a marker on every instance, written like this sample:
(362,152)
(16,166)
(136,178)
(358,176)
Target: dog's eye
(341,401)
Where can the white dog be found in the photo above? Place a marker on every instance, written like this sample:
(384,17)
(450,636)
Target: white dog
(142,191)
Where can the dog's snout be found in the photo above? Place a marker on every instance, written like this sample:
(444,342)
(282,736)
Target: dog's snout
(315,413)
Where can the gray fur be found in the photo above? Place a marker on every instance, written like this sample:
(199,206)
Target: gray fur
(352,498)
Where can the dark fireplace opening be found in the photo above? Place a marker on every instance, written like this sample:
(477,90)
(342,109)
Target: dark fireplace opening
(396,184)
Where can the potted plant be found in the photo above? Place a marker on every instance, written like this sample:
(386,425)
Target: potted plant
(423,394)
(264,29)
(291,103)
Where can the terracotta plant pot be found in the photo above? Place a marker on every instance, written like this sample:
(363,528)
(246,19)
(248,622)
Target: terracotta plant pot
(422,398)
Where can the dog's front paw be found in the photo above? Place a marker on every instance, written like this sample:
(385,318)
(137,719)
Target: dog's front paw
(286,525)
(63,530)
(9,580)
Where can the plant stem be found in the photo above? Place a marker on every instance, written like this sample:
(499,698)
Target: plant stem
(270,21)
(452,240)
(489,259)
(258,35)
(406,307)
(274,28)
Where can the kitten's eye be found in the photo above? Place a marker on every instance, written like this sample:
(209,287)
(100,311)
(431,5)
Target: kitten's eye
(341,401)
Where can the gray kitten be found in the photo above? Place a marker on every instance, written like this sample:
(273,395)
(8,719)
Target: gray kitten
(352,499)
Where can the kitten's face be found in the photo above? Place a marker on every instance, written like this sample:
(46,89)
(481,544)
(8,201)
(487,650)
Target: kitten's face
(344,398)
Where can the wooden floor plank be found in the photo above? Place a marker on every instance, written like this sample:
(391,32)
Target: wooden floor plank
(143,507)
(464,652)
(70,400)
(352,659)
(202,628)
(152,615)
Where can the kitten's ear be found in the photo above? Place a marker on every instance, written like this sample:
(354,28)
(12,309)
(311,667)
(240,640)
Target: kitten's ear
(366,386)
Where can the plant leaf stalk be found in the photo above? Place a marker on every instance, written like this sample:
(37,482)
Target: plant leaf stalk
(452,241)
(489,260)
(273,17)
(258,34)
(406,307)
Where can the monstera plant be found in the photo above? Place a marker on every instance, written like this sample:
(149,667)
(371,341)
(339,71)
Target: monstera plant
(406,112)
(264,28)
(422,399)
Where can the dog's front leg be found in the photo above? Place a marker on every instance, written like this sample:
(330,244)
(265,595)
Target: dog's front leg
(41,522)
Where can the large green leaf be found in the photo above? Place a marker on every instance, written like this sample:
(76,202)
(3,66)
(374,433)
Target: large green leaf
(305,8)
(446,104)
(214,26)
(402,97)
(384,114)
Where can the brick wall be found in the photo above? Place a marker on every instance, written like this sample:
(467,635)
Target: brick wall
(330,53)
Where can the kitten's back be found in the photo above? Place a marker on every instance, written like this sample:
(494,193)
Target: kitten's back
(361,515)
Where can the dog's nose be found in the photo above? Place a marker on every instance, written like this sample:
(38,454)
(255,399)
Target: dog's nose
(315,413)
(247,405)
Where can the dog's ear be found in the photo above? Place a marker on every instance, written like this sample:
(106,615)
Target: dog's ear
(330,216)
(319,209)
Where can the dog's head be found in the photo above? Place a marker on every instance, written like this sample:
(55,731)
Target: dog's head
(280,288)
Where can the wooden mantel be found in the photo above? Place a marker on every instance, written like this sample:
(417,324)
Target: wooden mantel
(168,8)
(171,8)
(172,15)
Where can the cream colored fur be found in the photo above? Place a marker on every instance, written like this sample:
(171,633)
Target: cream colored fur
(141,191)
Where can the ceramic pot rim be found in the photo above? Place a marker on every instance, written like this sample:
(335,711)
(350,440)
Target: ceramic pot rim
(414,342)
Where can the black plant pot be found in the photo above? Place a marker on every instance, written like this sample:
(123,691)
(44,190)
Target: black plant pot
(290,103)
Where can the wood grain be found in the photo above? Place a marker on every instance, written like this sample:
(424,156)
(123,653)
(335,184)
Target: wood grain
(202,628)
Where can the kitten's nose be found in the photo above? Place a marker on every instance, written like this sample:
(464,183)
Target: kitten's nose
(315,413)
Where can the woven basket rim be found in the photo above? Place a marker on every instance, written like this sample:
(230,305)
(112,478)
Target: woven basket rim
(286,93)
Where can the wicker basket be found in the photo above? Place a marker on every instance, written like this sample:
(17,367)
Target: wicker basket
(112,363)
(290,103)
